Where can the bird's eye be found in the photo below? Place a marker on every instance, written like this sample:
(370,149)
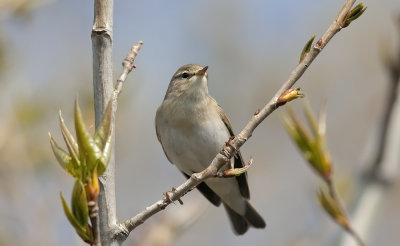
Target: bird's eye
(185,75)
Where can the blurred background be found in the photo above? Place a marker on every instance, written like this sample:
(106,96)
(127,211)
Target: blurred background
(250,47)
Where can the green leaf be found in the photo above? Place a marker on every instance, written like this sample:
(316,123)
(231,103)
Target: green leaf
(65,160)
(103,139)
(81,230)
(105,156)
(88,149)
(69,140)
(356,12)
(306,48)
(318,162)
(312,147)
(62,157)
(302,138)
(312,122)
(79,203)
(104,130)
(332,208)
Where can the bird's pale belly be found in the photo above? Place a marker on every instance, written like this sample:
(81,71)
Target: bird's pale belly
(193,150)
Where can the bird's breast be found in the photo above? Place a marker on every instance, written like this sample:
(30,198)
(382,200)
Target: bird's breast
(193,135)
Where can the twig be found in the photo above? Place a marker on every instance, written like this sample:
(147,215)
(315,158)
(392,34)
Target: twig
(355,235)
(348,227)
(227,152)
(334,195)
(127,66)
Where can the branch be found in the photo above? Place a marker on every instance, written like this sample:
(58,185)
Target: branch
(374,184)
(227,152)
(312,146)
(349,227)
(127,66)
(392,64)
(102,88)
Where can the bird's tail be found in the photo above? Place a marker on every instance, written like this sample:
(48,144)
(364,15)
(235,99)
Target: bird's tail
(240,223)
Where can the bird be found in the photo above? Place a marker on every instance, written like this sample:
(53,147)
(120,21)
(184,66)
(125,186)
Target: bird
(192,128)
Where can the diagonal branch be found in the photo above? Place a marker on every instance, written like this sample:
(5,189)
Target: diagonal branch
(123,229)
(127,66)
(349,227)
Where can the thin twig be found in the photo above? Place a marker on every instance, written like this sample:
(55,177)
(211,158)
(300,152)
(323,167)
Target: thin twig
(334,195)
(127,65)
(227,152)
(349,227)
(355,235)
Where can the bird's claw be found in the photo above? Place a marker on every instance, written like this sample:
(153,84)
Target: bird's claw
(229,144)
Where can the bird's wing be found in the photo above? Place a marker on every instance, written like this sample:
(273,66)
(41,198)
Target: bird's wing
(159,138)
(238,160)
(207,192)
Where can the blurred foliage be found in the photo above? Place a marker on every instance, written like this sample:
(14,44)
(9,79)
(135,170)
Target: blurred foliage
(21,8)
(312,146)
(333,208)
(28,113)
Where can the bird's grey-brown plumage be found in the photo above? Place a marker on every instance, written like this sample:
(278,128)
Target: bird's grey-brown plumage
(192,128)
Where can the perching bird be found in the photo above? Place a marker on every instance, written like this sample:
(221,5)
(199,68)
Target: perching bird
(192,128)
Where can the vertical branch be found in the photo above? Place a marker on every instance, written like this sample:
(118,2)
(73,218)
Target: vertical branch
(373,185)
(102,55)
(103,87)
(392,64)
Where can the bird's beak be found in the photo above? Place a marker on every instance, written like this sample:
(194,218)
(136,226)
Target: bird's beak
(202,71)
